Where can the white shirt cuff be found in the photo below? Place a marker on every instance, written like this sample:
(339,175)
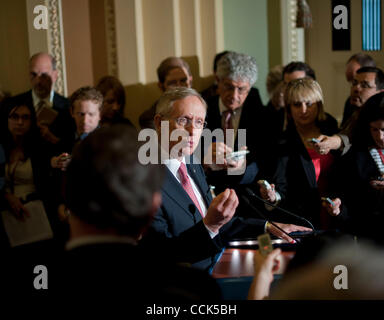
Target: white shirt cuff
(211,233)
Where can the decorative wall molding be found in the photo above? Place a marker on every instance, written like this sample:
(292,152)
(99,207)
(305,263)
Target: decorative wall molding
(56,43)
(110,25)
(292,37)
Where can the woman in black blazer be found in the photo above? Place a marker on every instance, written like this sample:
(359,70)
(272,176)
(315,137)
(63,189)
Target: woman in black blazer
(361,172)
(302,177)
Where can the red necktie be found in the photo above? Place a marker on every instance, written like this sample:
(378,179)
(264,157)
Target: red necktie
(381,155)
(186,183)
(227,115)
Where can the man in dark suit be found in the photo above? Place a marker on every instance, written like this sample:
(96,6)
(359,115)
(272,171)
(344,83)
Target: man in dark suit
(367,82)
(354,63)
(43,75)
(112,199)
(238,106)
(199,226)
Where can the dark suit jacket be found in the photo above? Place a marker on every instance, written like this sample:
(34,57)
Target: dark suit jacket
(103,270)
(295,177)
(179,221)
(116,268)
(349,109)
(365,204)
(254,121)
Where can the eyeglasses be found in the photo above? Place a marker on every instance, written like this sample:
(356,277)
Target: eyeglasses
(16,117)
(363,84)
(197,123)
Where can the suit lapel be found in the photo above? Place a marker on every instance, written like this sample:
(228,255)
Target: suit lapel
(305,160)
(175,191)
(195,173)
(309,170)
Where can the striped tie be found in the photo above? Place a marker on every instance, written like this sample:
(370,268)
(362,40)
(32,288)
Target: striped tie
(378,157)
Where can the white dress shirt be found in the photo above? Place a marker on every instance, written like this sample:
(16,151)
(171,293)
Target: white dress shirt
(173,165)
(48,100)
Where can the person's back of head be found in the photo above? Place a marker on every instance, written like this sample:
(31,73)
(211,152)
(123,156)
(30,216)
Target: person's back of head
(342,270)
(107,187)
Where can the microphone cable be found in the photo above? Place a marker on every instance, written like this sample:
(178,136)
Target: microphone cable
(251,193)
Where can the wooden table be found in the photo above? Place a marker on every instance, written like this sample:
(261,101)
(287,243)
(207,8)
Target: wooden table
(235,263)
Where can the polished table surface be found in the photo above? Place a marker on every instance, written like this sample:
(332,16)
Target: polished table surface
(235,263)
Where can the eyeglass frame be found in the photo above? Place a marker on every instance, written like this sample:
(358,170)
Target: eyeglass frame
(189,122)
(363,84)
(15,117)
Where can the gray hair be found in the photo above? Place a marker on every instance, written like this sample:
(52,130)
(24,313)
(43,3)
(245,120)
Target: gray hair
(165,104)
(237,66)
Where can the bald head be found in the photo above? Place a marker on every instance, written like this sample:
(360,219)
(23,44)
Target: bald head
(42,73)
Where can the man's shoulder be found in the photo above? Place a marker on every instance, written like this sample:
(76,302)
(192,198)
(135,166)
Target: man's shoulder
(25,97)
(60,101)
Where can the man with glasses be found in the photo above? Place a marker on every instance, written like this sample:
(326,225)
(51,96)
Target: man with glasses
(197,226)
(52,109)
(367,82)
(354,63)
(238,106)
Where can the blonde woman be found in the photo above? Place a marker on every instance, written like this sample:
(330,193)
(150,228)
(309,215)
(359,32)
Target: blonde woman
(301,181)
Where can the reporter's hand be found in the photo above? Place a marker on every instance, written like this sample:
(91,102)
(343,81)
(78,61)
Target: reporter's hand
(288,228)
(377,184)
(332,210)
(221,210)
(327,144)
(17,208)
(265,268)
(268,195)
(238,165)
(215,158)
(61,161)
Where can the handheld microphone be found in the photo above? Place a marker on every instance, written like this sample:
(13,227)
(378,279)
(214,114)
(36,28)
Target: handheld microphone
(252,194)
(262,215)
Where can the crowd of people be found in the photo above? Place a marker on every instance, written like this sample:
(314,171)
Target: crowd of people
(74,191)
